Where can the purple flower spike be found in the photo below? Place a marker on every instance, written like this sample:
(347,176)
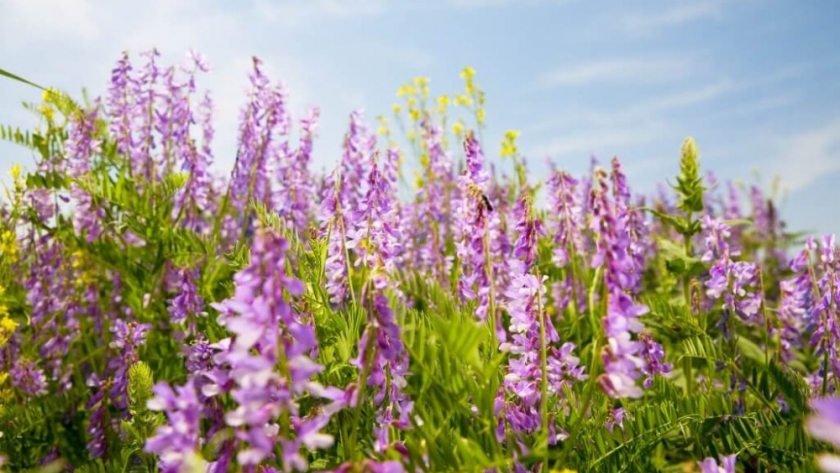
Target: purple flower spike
(178,441)
(266,327)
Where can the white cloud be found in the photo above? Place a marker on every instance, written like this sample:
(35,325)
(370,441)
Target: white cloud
(300,13)
(67,19)
(654,108)
(808,156)
(600,140)
(623,70)
(500,3)
(676,15)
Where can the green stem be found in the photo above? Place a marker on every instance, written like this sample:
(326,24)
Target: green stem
(370,350)
(488,268)
(543,366)
(687,368)
(592,381)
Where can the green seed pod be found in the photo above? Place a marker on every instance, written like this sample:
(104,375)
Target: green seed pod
(140,382)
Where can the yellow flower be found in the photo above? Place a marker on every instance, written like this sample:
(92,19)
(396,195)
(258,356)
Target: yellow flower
(47,111)
(15,171)
(423,83)
(8,245)
(414,114)
(463,100)
(78,256)
(411,135)
(405,90)
(396,108)
(383,125)
(7,327)
(443,102)
(424,160)
(467,73)
(458,128)
(509,143)
(479,115)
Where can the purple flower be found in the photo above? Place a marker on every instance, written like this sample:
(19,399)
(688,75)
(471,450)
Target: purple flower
(729,279)
(53,321)
(97,420)
(824,422)
(710,465)
(294,200)
(525,300)
(186,302)
(430,220)
(26,376)
(178,441)
(625,359)
(127,338)
(654,357)
(616,417)
(798,300)
(259,153)
(265,327)
(80,149)
(565,217)
(376,237)
(335,228)
(527,230)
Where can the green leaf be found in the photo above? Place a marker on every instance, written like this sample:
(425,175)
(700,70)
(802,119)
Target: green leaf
(18,78)
(677,262)
(751,350)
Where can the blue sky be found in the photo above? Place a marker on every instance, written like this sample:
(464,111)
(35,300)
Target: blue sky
(754,81)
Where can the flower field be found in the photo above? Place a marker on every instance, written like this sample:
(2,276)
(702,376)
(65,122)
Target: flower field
(413,309)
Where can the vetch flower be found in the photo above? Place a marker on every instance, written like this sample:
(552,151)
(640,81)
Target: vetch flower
(265,328)
(710,465)
(177,442)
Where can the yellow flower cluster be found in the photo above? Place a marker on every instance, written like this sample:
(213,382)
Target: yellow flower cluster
(80,263)
(509,144)
(8,246)
(7,325)
(7,328)
(468,75)
(458,128)
(49,98)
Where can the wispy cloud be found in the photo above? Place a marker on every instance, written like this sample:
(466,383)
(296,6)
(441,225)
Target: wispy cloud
(809,155)
(598,141)
(655,107)
(69,19)
(676,15)
(300,13)
(500,3)
(646,70)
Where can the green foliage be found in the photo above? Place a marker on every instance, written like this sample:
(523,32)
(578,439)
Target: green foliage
(454,383)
